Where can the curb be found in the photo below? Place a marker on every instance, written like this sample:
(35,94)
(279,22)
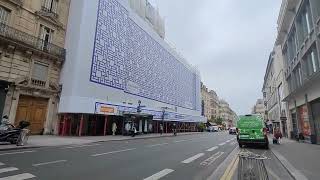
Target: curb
(294,173)
(97,141)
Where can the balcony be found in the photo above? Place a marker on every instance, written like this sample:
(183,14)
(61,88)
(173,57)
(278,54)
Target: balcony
(48,12)
(24,40)
(38,83)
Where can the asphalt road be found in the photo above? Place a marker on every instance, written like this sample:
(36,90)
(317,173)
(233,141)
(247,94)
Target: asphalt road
(173,158)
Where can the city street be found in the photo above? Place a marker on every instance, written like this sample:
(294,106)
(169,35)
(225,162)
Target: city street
(182,157)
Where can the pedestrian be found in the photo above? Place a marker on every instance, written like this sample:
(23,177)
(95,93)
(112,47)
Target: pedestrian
(161,129)
(114,128)
(277,136)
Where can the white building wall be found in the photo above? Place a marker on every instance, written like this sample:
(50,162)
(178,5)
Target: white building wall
(79,94)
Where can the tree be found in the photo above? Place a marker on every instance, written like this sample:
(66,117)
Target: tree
(218,121)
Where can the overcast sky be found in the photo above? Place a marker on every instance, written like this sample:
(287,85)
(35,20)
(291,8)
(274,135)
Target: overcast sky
(229,41)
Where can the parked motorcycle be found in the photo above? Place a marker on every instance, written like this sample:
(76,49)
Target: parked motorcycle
(14,135)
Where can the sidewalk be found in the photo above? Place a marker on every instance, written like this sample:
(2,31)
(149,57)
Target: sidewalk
(300,159)
(51,140)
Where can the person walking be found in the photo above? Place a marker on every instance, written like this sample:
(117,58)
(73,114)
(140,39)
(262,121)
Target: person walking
(277,136)
(114,128)
(174,128)
(161,129)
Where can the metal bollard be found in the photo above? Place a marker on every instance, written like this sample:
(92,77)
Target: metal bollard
(23,137)
(251,167)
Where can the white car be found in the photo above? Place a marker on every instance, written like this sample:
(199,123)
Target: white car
(213,128)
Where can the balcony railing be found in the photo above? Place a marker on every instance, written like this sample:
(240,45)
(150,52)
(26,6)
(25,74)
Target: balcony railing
(38,83)
(49,12)
(29,40)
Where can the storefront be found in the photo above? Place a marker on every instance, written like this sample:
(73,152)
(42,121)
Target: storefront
(315,106)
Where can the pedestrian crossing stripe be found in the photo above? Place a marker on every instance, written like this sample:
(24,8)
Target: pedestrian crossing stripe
(22,176)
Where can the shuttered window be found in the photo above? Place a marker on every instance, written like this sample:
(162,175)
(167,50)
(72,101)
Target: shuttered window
(40,71)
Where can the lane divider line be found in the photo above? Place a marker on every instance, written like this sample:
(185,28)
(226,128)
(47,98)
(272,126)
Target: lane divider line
(221,144)
(181,140)
(189,160)
(8,169)
(213,148)
(159,174)
(1,164)
(211,159)
(153,145)
(18,152)
(79,146)
(19,177)
(50,162)
(112,152)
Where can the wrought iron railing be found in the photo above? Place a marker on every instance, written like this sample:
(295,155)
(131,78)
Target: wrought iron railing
(49,12)
(27,39)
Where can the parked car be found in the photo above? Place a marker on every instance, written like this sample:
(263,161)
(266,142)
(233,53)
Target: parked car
(212,128)
(252,130)
(233,130)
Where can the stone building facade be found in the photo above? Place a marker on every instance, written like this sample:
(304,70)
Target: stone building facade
(32,37)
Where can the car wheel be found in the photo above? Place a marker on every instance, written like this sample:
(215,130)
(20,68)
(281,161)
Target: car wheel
(240,145)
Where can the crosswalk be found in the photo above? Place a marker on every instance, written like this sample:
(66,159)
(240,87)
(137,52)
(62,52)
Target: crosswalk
(13,173)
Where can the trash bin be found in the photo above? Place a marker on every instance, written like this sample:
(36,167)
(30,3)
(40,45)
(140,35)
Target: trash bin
(23,137)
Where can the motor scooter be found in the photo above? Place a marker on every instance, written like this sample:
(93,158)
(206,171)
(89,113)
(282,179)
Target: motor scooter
(14,135)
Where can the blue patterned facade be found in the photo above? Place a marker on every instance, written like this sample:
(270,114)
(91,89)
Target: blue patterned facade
(128,58)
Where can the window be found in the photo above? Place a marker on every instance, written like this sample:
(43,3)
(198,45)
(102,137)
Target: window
(40,71)
(311,61)
(292,45)
(297,77)
(4,15)
(50,5)
(46,36)
(304,22)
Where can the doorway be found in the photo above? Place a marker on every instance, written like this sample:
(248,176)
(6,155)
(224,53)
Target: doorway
(33,110)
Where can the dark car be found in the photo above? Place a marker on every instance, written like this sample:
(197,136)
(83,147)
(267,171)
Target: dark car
(232,130)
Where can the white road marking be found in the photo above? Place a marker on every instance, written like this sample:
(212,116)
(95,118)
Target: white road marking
(213,148)
(50,162)
(189,160)
(18,177)
(233,143)
(181,140)
(228,141)
(157,145)
(19,152)
(78,146)
(211,159)
(159,174)
(221,144)
(1,164)
(7,169)
(113,152)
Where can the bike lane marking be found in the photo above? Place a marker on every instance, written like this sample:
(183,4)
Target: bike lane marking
(189,160)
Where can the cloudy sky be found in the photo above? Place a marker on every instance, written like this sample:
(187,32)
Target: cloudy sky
(229,41)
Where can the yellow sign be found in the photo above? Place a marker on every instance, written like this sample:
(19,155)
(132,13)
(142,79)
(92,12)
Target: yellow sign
(106,109)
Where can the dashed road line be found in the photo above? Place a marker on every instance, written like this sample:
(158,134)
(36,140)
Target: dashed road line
(112,152)
(50,162)
(153,145)
(18,152)
(221,144)
(212,149)
(211,159)
(159,174)
(189,160)
(8,169)
(18,177)
(79,146)
(1,164)
(181,140)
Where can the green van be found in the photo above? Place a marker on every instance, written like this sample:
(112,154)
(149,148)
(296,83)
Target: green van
(252,130)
